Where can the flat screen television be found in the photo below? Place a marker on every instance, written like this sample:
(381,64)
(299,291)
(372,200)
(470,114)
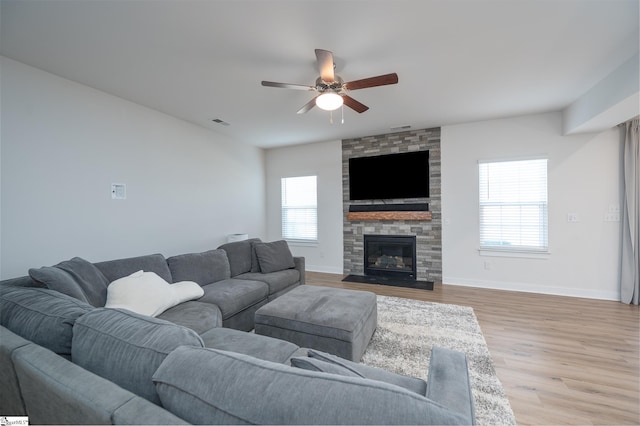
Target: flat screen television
(404,175)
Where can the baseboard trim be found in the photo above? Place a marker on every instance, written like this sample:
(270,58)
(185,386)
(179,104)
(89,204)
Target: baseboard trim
(324,269)
(532,288)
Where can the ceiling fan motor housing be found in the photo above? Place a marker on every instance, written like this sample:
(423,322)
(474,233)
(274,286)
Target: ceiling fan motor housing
(335,86)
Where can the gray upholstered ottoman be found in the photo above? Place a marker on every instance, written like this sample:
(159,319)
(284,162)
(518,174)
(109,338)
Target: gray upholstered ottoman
(332,320)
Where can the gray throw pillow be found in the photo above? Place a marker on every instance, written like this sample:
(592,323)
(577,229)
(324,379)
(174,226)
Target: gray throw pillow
(274,256)
(313,364)
(413,384)
(76,278)
(44,316)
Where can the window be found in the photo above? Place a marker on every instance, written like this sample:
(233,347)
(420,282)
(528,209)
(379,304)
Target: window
(513,205)
(299,208)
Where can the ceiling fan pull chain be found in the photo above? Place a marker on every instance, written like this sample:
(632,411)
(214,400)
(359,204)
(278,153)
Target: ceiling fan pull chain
(331,117)
(342,114)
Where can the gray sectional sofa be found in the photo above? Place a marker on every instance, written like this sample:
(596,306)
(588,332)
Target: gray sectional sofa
(67,359)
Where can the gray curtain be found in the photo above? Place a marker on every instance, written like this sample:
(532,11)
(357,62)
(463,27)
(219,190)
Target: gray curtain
(630,260)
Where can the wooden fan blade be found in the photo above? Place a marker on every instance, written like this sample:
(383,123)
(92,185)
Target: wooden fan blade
(287,85)
(308,106)
(353,104)
(381,80)
(325,65)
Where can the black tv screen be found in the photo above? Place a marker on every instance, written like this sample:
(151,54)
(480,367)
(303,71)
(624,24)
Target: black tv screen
(390,176)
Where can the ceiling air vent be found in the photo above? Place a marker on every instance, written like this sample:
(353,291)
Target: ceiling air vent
(221,122)
(400,128)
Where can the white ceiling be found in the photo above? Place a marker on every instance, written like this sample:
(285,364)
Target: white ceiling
(457,60)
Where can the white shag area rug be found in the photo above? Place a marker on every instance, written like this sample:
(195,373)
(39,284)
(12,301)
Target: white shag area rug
(408,329)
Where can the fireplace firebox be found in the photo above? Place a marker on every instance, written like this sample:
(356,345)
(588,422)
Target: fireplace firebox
(390,256)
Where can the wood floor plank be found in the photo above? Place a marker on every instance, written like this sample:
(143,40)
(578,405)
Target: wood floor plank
(561,360)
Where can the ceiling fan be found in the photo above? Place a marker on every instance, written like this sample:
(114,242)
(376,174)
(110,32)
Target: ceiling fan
(332,91)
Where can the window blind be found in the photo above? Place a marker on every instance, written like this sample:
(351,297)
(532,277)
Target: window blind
(300,208)
(513,205)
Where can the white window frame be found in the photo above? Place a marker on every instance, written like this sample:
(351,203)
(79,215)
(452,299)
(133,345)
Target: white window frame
(521,199)
(305,230)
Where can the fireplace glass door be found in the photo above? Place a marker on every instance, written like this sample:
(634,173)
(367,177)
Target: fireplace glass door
(392,256)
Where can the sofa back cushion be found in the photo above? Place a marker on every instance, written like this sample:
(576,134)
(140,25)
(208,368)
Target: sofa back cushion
(114,269)
(242,257)
(126,347)
(76,278)
(44,316)
(239,389)
(204,268)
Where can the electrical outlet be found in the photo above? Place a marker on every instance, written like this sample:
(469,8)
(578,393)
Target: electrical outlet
(572,217)
(614,208)
(487,265)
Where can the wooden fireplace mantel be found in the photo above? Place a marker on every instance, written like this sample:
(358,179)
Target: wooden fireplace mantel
(391,215)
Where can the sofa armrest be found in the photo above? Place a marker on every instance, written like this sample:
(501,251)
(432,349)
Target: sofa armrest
(299,262)
(138,410)
(448,383)
(56,391)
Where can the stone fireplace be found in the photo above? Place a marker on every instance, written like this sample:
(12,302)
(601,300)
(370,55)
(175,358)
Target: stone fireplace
(425,227)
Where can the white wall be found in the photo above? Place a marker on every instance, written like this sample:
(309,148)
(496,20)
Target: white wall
(584,178)
(325,161)
(63,144)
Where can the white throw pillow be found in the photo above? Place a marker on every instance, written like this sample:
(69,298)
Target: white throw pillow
(186,290)
(148,294)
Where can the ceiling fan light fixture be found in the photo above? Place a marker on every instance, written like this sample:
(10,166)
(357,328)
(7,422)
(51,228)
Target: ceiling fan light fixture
(329,101)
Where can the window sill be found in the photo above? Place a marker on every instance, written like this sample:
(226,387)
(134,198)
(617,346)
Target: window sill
(302,243)
(515,253)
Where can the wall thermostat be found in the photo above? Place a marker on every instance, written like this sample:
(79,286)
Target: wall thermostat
(118,191)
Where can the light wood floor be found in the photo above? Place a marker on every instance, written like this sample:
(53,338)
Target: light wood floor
(561,360)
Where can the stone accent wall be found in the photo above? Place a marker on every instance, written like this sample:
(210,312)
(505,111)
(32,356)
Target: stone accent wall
(428,233)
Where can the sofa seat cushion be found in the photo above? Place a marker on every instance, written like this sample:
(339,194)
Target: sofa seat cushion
(274,256)
(277,281)
(266,348)
(198,316)
(43,316)
(242,257)
(126,347)
(114,269)
(233,295)
(76,278)
(203,268)
(247,390)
